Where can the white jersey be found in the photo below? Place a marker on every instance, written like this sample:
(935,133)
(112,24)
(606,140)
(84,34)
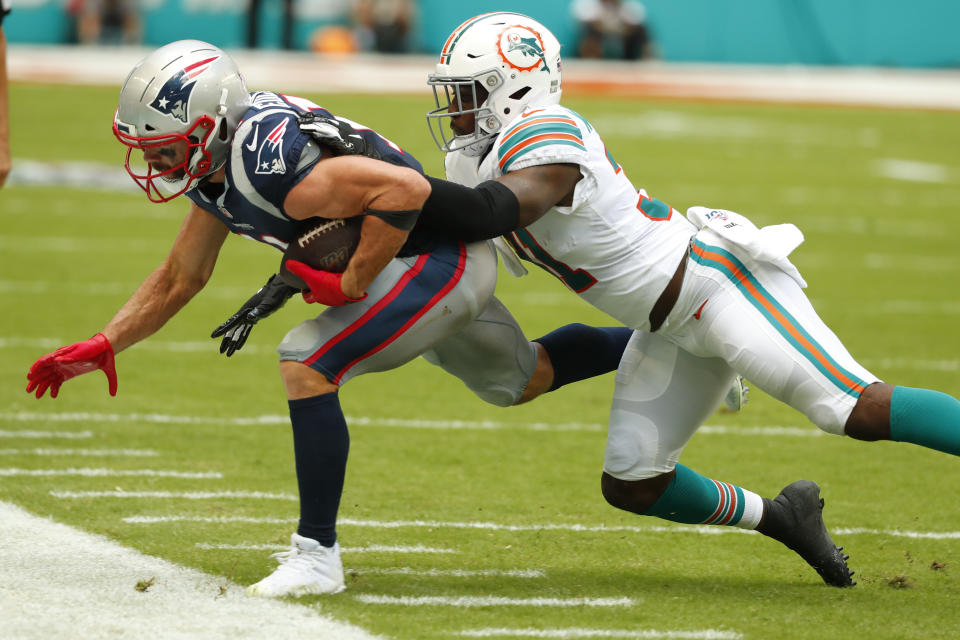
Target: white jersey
(614,246)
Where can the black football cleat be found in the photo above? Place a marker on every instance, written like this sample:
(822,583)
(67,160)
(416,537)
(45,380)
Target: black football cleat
(795,518)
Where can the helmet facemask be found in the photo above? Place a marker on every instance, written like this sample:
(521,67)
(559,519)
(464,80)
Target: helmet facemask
(450,94)
(182,103)
(167,184)
(511,57)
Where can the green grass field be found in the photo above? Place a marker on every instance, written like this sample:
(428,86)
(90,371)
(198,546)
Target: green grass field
(881,260)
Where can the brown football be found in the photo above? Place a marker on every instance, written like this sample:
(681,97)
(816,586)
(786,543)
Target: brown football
(322,244)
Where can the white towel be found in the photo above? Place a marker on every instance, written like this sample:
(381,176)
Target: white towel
(772,244)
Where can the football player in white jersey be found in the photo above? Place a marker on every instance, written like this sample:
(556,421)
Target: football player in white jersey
(709,295)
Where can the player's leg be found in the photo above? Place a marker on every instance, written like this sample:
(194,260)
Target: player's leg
(406,310)
(904,414)
(578,352)
(663,394)
(775,337)
(575,352)
(493,357)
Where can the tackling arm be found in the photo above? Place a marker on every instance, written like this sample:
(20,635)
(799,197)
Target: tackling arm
(499,206)
(347,186)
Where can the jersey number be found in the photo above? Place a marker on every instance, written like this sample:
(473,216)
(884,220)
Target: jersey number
(654,209)
(578,280)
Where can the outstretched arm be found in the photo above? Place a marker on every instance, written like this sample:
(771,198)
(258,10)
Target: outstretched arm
(347,186)
(165,291)
(181,276)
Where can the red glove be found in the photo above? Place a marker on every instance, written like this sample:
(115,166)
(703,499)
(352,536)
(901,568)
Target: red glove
(324,285)
(53,369)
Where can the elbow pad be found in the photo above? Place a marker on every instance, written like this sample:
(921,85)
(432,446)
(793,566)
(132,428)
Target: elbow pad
(470,214)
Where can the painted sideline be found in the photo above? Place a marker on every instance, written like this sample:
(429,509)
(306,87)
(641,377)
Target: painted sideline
(92,581)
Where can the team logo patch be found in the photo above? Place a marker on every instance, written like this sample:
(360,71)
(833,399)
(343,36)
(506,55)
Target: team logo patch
(270,156)
(173,99)
(522,48)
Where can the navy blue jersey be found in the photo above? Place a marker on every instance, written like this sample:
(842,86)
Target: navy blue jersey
(268,158)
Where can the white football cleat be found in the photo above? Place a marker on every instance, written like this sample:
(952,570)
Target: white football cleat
(309,568)
(737,395)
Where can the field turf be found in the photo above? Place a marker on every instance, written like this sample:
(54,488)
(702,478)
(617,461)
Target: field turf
(877,193)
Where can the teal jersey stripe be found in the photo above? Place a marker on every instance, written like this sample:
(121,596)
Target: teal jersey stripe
(537,145)
(589,126)
(543,116)
(547,127)
(741,504)
(772,320)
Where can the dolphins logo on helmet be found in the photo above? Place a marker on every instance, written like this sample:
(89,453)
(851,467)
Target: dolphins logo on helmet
(492,67)
(523,44)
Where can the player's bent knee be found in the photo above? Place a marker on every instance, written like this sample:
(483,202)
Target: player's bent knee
(496,395)
(303,382)
(542,378)
(870,418)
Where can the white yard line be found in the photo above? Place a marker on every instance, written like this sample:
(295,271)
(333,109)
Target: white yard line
(454,573)
(93,453)
(491,601)
(29,433)
(184,495)
(545,526)
(103,473)
(90,584)
(374,548)
(578,632)
(206,519)
(368,421)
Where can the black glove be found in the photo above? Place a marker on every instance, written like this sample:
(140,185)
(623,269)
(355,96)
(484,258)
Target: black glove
(337,135)
(268,299)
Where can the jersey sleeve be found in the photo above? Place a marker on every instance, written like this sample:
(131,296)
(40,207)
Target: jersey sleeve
(270,151)
(541,136)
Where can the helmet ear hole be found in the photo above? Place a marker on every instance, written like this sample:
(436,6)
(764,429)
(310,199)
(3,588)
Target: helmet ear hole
(222,131)
(519,93)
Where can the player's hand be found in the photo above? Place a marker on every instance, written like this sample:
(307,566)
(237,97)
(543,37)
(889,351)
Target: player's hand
(324,286)
(53,369)
(271,296)
(336,134)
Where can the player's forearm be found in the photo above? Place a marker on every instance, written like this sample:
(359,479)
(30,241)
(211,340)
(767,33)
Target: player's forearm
(470,214)
(379,243)
(154,302)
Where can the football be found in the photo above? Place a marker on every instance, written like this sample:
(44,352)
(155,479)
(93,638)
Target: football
(322,244)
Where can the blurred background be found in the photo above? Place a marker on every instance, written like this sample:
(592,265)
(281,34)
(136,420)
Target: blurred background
(889,33)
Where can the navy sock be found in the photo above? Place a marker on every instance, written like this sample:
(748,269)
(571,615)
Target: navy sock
(320,445)
(578,351)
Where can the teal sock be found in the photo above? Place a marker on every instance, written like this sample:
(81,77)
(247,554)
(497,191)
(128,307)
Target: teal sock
(694,499)
(928,418)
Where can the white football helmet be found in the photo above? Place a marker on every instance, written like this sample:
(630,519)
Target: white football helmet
(186,91)
(514,59)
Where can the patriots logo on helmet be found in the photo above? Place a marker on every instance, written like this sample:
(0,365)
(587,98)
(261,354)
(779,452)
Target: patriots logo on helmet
(519,45)
(174,96)
(270,157)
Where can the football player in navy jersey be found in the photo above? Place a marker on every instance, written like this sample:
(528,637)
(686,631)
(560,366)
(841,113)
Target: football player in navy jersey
(257,164)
